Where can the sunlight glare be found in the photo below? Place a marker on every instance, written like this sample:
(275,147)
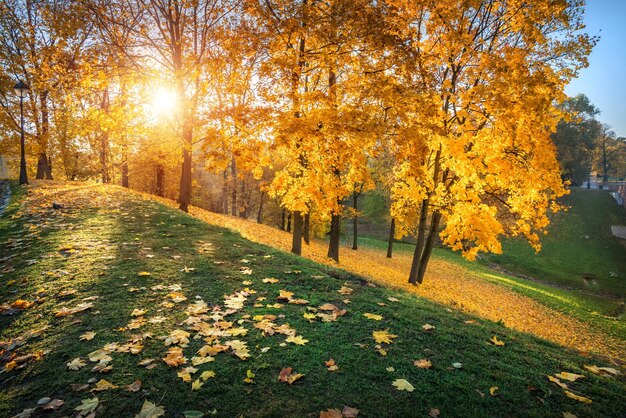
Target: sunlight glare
(164,101)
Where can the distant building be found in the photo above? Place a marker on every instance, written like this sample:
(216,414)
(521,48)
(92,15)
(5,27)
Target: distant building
(592,181)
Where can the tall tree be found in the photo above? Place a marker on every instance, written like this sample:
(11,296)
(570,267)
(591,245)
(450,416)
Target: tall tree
(481,162)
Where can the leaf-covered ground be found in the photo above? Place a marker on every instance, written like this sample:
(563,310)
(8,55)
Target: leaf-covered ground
(486,294)
(119,306)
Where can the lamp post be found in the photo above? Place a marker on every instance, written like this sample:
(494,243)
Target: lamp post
(20,89)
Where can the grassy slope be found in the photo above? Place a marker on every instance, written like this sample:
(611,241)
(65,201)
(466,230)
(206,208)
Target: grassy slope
(113,246)
(579,242)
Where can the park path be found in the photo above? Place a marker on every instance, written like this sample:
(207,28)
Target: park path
(445,283)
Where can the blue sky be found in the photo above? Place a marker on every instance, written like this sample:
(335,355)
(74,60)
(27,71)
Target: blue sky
(604,81)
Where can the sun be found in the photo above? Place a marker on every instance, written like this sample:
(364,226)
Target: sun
(164,101)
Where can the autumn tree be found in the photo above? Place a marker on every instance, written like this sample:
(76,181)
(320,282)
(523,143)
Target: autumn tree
(481,162)
(42,44)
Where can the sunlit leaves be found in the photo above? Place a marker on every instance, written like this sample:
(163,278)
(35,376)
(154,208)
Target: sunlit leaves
(383,336)
(150,410)
(403,384)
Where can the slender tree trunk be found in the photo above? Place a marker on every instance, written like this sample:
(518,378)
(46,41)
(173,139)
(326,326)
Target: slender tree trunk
(160,175)
(184,197)
(419,245)
(430,241)
(224,205)
(289,222)
(283,219)
(242,204)
(296,241)
(307,229)
(335,230)
(233,174)
(125,173)
(44,169)
(605,165)
(355,221)
(259,215)
(392,232)
(104,140)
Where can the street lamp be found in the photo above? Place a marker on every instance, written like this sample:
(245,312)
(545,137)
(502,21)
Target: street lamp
(20,89)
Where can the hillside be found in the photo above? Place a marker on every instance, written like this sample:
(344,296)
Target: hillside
(157,310)
(579,252)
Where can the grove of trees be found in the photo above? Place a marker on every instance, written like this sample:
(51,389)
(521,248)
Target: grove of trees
(451,109)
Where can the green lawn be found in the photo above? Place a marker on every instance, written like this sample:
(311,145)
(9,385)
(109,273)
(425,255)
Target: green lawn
(579,244)
(97,248)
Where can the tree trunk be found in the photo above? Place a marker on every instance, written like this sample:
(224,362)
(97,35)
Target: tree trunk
(104,140)
(242,211)
(224,206)
(296,241)
(259,215)
(430,241)
(125,173)
(605,164)
(307,229)
(233,174)
(283,219)
(355,222)
(289,222)
(184,196)
(419,245)
(392,232)
(160,175)
(44,166)
(333,243)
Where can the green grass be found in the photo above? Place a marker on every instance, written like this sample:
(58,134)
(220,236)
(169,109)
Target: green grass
(113,245)
(579,243)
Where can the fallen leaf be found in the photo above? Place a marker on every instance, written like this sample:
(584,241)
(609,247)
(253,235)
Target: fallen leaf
(298,340)
(270,280)
(103,385)
(207,374)
(434,413)
(577,397)
(134,387)
(457,365)
(287,376)
(572,377)
(423,363)
(607,371)
(331,365)
(349,412)
(331,413)
(392,299)
(174,357)
(143,274)
(87,406)
(402,384)
(569,415)
(495,341)
(249,377)
(383,336)
(150,410)
(196,361)
(373,317)
(26,413)
(138,312)
(53,405)
(493,390)
(428,327)
(345,290)
(76,364)
(197,384)
(88,336)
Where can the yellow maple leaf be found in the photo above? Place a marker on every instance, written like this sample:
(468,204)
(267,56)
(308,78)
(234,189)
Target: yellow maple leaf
(76,364)
(309,316)
(143,274)
(493,390)
(103,385)
(299,340)
(383,336)
(402,384)
(197,384)
(88,336)
(423,364)
(572,377)
(174,357)
(150,410)
(495,341)
(372,316)
(207,374)
(577,397)
(138,312)
(196,361)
